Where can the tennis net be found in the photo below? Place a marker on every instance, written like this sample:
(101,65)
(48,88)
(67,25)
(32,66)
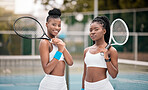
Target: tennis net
(20,70)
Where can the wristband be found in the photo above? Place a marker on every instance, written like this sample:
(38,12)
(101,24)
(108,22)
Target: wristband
(82,88)
(57,55)
(108,60)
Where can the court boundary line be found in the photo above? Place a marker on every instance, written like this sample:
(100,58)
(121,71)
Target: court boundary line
(125,61)
(17,57)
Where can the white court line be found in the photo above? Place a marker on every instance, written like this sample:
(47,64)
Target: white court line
(132,81)
(6,85)
(18,84)
(125,61)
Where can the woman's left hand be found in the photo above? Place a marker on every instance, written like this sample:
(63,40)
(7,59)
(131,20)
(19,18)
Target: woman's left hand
(59,43)
(106,53)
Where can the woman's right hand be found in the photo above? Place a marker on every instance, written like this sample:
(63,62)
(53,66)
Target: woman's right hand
(59,43)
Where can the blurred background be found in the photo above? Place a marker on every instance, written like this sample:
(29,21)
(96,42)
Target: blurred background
(20,65)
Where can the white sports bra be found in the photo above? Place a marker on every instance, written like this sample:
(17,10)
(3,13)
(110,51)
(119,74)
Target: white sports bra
(94,60)
(52,53)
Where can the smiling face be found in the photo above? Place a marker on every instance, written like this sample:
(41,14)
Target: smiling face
(96,31)
(53,26)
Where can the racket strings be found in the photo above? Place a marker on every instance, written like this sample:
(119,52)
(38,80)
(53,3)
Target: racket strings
(119,32)
(28,27)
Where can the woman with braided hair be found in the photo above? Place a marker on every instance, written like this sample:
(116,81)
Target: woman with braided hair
(96,66)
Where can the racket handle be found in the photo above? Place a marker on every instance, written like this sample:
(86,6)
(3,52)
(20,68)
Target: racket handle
(101,53)
(107,47)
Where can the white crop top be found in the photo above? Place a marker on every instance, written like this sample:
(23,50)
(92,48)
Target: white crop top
(94,60)
(52,53)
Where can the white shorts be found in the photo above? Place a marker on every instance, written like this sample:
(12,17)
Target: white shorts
(52,82)
(99,85)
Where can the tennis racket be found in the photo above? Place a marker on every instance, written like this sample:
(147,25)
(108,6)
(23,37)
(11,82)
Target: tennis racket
(29,28)
(119,33)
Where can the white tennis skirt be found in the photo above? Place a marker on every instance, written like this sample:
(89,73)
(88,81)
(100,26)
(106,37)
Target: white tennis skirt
(99,85)
(52,82)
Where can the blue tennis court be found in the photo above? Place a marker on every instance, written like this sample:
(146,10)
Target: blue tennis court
(131,81)
(130,77)
(134,81)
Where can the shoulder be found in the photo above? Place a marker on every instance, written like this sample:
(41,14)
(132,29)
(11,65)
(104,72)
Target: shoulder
(112,48)
(44,43)
(86,49)
(113,51)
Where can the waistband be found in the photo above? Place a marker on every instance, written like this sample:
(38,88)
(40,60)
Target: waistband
(49,75)
(97,84)
(55,78)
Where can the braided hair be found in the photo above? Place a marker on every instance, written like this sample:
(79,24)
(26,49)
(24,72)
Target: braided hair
(104,21)
(54,13)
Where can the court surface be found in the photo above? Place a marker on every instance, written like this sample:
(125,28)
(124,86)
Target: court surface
(130,77)
(132,81)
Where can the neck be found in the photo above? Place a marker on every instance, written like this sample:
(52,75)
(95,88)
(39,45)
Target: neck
(100,42)
(51,36)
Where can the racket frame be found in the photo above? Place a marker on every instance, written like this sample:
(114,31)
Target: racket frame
(28,34)
(111,33)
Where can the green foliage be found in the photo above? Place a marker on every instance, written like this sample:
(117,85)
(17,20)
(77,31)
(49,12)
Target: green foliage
(142,21)
(88,5)
(126,4)
(108,4)
(5,22)
(5,13)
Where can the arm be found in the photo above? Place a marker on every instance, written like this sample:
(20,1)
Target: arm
(61,48)
(48,67)
(68,57)
(112,66)
(84,72)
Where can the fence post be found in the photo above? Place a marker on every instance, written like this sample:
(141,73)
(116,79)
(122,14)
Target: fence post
(136,47)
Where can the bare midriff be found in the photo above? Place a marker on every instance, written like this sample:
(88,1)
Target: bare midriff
(59,69)
(94,74)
